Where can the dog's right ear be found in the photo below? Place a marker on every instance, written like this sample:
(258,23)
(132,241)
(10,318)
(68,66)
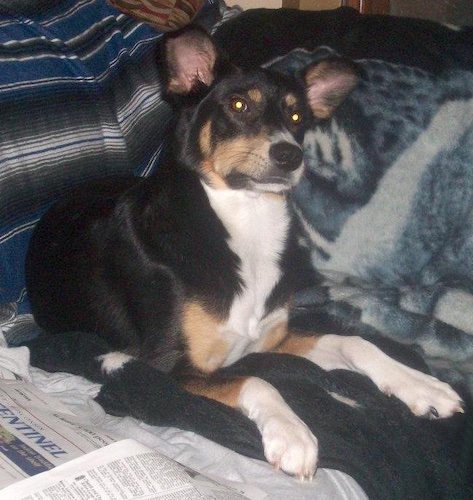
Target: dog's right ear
(190,56)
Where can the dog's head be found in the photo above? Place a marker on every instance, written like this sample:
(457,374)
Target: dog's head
(245,129)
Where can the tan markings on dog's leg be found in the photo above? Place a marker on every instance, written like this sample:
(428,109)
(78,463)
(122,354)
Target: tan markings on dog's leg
(299,345)
(226,391)
(288,443)
(207,349)
(274,337)
(422,393)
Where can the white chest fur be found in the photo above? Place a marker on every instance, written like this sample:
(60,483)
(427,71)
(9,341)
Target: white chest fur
(258,226)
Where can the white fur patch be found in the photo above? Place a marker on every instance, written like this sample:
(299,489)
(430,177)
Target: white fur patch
(288,443)
(113,361)
(258,226)
(344,399)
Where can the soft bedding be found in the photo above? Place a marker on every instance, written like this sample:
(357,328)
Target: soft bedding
(361,431)
(386,204)
(187,448)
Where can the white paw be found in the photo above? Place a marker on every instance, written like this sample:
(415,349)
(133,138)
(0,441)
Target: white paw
(289,445)
(423,394)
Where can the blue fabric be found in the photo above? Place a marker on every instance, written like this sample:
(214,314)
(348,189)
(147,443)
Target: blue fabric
(79,99)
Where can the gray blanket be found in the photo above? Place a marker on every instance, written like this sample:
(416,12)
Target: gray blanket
(387,203)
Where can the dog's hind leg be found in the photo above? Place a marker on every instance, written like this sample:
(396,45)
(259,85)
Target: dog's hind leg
(73,352)
(90,356)
(133,388)
(423,394)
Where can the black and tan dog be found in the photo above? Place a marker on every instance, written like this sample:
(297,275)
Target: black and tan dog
(186,272)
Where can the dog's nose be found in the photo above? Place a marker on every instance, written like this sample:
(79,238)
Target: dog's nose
(285,155)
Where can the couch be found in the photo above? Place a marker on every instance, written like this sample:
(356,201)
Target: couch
(80,99)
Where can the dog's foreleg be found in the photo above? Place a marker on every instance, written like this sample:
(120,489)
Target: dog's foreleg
(133,388)
(288,443)
(423,394)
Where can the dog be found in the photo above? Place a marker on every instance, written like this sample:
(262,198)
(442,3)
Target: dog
(177,275)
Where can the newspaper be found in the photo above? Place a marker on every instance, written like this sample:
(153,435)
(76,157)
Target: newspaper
(125,470)
(48,453)
(38,433)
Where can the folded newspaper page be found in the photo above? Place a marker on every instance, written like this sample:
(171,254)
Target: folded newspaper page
(48,453)
(126,470)
(38,433)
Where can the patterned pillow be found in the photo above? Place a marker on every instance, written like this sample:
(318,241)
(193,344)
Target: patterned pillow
(79,99)
(165,15)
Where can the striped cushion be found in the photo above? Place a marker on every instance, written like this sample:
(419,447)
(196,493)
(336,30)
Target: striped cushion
(79,99)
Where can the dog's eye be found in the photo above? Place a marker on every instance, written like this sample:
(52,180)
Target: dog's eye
(238,104)
(296,117)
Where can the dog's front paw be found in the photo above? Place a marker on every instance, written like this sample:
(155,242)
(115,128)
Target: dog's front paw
(423,394)
(289,445)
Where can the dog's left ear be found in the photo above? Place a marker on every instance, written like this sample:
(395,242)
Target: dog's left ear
(190,59)
(329,83)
